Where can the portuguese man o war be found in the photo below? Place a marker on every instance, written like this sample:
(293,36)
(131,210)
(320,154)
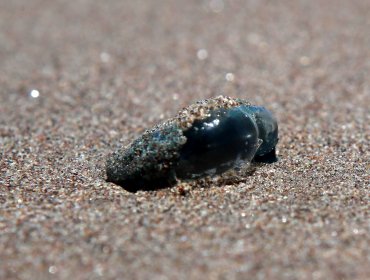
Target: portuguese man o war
(208,138)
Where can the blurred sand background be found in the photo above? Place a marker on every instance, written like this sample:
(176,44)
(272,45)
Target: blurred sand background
(80,78)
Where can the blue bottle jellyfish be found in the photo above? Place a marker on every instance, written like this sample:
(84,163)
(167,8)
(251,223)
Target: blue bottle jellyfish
(207,138)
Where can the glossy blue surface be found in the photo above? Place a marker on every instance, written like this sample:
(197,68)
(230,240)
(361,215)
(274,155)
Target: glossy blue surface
(267,128)
(225,140)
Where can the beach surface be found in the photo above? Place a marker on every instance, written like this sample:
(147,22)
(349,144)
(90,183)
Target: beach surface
(79,79)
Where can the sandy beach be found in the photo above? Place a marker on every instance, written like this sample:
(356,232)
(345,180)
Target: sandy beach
(79,79)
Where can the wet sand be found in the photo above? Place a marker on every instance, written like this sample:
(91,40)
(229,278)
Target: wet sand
(79,79)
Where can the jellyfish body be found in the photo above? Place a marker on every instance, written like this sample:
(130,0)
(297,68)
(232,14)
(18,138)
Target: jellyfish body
(205,139)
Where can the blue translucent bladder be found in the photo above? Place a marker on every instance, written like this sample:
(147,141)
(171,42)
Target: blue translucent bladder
(221,139)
